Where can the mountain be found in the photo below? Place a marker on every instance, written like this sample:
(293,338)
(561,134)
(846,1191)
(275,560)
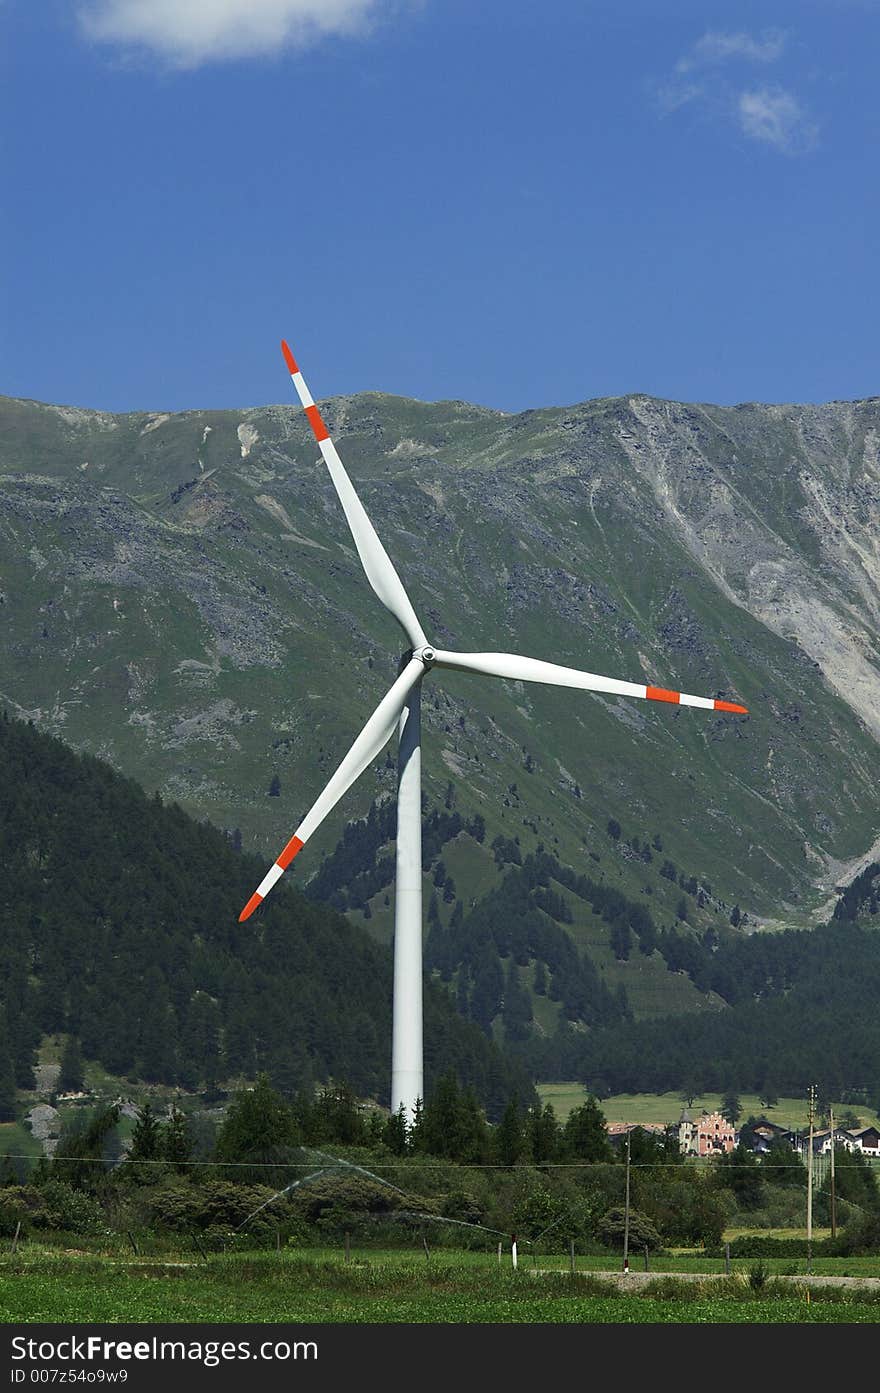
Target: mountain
(804,1011)
(181,597)
(118,926)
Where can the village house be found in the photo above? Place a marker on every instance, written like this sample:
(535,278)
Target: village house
(710,1134)
(822,1141)
(864,1139)
(867,1140)
(617,1131)
(765,1133)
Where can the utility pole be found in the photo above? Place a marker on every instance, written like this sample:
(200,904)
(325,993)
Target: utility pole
(833,1195)
(810,1182)
(626,1213)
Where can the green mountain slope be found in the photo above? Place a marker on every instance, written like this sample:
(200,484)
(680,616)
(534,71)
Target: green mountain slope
(180,596)
(118,925)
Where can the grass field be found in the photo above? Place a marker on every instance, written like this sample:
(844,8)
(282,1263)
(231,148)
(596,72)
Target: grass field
(666,1107)
(39,1285)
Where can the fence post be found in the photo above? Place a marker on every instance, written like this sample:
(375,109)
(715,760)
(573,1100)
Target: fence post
(727,1258)
(347,1246)
(499,1252)
(646,1257)
(571,1256)
(15,1236)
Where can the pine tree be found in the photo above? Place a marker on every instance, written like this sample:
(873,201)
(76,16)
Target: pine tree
(508,1139)
(621,940)
(584,1134)
(70,1080)
(176,1140)
(143,1164)
(146,1139)
(394,1133)
(87,1148)
(453,1124)
(731,1108)
(7,1074)
(543,1133)
(258,1128)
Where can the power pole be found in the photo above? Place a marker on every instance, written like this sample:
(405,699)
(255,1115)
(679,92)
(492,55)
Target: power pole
(833,1196)
(810,1182)
(626,1213)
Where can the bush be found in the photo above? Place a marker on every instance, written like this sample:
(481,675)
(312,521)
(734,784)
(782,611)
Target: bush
(760,1246)
(217,1203)
(71,1209)
(861,1237)
(642,1233)
(21,1204)
(55,1205)
(463,1207)
(758,1276)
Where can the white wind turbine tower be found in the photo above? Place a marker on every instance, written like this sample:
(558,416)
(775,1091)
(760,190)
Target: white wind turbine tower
(400,708)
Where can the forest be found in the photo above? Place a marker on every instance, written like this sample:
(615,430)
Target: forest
(119,927)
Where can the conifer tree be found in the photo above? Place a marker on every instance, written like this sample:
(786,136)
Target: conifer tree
(394,1133)
(176,1140)
(258,1129)
(146,1139)
(7,1074)
(584,1134)
(70,1080)
(508,1138)
(543,1133)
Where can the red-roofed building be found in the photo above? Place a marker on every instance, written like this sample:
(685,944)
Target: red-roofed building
(708,1135)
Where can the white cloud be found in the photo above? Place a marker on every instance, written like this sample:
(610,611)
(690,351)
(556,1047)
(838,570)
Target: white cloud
(717,47)
(776,118)
(767,114)
(187,33)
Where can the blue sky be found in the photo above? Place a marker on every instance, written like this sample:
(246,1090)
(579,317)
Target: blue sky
(517,204)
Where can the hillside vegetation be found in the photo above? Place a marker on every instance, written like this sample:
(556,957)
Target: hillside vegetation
(180,596)
(119,926)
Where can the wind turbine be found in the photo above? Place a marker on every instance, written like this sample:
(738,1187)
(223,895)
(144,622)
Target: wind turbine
(400,709)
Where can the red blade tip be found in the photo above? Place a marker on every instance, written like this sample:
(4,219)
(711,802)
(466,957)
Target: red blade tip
(731,706)
(249,908)
(288,357)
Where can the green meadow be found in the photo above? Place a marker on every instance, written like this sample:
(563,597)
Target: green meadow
(39,1284)
(661,1108)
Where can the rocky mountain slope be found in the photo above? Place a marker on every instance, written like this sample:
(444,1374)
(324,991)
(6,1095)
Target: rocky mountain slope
(180,596)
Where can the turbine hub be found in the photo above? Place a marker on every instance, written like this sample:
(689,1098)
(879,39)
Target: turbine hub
(426,654)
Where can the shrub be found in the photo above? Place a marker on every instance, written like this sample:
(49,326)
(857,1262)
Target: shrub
(642,1233)
(217,1203)
(757,1276)
(71,1209)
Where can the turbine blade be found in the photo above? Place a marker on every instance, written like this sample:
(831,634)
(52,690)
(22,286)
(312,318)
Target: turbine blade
(516,668)
(374,558)
(374,736)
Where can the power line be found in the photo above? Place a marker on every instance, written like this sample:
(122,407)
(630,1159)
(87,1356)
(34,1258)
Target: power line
(691,1162)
